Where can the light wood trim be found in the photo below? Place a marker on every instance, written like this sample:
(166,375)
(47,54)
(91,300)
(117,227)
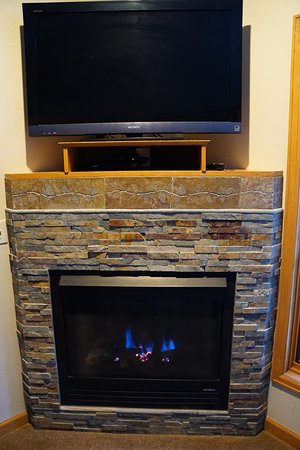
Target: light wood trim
(288,256)
(13,423)
(296,326)
(283,433)
(296,368)
(135,143)
(289,380)
(144,173)
(203,158)
(66,160)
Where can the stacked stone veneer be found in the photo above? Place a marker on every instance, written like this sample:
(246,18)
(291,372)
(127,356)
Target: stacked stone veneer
(245,242)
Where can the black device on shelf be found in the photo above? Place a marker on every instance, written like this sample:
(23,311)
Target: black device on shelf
(146,66)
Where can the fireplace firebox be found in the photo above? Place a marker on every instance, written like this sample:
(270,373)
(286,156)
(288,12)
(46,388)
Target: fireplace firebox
(147,340)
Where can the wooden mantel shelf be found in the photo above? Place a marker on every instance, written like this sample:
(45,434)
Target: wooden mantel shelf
(146,173)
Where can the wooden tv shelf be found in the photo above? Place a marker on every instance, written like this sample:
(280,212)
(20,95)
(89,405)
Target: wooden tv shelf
(145,173)
(73,151)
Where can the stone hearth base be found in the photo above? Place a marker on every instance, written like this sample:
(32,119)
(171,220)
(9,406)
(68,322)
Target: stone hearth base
(245,242)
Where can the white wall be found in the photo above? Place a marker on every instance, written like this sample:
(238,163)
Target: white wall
(13,159)
(11,397)
(270,54)
(262,146)
(285,408)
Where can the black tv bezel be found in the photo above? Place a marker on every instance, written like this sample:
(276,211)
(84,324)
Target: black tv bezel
(30,12)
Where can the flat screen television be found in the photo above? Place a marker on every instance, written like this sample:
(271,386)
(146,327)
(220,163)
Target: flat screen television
(145,66)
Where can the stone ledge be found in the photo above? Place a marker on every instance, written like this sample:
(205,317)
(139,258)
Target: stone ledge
(149,192)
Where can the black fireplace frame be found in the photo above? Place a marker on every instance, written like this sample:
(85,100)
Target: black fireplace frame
(144,393)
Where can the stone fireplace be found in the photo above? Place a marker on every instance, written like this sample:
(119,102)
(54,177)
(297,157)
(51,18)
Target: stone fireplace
(199,228)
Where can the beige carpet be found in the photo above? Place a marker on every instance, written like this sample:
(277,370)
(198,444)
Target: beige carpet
(27,438)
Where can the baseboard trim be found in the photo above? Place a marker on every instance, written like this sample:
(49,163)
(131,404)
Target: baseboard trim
(13,423)
(283,433)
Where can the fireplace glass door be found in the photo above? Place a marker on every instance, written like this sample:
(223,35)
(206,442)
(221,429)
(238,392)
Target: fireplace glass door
(143,340)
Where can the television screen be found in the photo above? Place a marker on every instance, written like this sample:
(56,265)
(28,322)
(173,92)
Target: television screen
(146,66)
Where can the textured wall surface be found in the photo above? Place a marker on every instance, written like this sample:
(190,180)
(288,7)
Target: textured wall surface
(247,243)
(164,192)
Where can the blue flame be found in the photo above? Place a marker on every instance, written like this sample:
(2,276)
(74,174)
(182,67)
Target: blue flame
(147,348)
(144,351)
(129,343)
(167,345)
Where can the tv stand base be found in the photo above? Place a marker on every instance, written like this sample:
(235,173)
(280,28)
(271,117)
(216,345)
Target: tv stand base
(73,152)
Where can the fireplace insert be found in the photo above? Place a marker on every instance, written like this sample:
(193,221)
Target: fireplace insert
(143,339)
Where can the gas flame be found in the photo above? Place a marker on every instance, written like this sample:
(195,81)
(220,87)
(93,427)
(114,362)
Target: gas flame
(167,345)
(144,350)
